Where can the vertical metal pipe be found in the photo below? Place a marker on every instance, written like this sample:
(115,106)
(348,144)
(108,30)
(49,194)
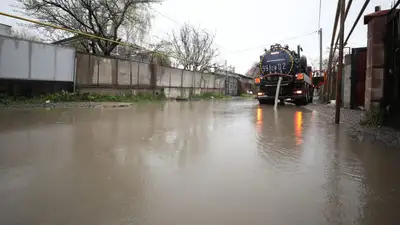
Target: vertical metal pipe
(277,92)
(340,69)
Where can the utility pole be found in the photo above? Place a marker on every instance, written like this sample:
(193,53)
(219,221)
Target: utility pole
(331,53)
(340,69)
(320,63)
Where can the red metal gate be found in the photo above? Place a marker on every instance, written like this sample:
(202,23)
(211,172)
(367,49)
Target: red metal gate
(359,66)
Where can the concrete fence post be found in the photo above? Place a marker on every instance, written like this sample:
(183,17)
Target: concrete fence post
(98,71)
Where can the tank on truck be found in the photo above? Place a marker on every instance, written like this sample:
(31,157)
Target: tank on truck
(299,50)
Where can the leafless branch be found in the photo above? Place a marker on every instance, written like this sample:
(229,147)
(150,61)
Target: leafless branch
(192,48)
(104,18)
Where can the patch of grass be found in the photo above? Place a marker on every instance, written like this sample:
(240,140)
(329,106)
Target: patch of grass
(210,95)
(373,118)
(65,96)
(245,95)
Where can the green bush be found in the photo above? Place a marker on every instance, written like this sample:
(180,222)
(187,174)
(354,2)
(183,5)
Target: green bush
(245,95)
(65,96)
(62,96)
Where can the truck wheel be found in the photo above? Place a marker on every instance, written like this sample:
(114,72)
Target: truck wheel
(311,95)
(303,101)
(307,98)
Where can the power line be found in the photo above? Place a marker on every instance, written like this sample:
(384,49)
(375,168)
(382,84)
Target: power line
(86,34)
(284,40)
(169,18)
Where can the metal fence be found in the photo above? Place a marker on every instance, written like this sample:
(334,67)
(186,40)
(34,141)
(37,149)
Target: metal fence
(391,100)
(34,61)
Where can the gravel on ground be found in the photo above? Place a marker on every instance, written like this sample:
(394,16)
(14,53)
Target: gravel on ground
(352,118)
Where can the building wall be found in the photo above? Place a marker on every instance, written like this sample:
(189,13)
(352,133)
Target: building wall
(346,82)
(5,29)
(375,62)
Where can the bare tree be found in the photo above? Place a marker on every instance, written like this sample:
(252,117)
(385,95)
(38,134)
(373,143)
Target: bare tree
(160,53)
(103,18)
(254,71)
(25,34)
(192,48)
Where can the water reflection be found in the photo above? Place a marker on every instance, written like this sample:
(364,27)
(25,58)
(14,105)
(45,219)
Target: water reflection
(298,122)
(259,119)
(191,163)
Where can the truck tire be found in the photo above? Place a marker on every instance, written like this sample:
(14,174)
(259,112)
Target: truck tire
(311,95)
(303,101)
(307,98)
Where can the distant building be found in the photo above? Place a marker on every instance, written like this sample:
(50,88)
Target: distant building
(254,71)
(5,29)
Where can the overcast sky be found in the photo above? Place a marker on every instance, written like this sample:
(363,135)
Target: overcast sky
(244,28)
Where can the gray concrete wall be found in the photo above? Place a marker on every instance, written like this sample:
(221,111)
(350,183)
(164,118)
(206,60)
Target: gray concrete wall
(347,81)
(28,60)
(121,76)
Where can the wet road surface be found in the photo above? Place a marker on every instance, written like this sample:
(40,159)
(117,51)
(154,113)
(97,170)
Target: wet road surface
(189,163)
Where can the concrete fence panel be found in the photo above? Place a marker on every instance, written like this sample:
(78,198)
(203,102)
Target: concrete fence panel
(40,55)
(29,60)
(83,69)
(144,74)
(208,81)
(124,72)
(135,67)
(176,77)
(65,68)
(198,78)
(163,76)
(105,70)
(14,59)
(187,78)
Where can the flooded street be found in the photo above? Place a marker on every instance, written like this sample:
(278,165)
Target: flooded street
(191,163)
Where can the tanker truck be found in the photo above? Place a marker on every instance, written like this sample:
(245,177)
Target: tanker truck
(296,84)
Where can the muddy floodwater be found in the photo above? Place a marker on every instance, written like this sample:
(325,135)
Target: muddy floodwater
(191,163)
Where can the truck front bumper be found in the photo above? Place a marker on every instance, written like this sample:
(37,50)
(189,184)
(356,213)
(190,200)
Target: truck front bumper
(281,97)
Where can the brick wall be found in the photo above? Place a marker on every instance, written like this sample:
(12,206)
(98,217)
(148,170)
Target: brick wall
(375,62)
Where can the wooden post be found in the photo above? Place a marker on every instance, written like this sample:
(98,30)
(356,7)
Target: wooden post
(340,69)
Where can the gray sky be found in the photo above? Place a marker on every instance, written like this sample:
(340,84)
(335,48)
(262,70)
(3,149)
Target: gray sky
(242,28)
